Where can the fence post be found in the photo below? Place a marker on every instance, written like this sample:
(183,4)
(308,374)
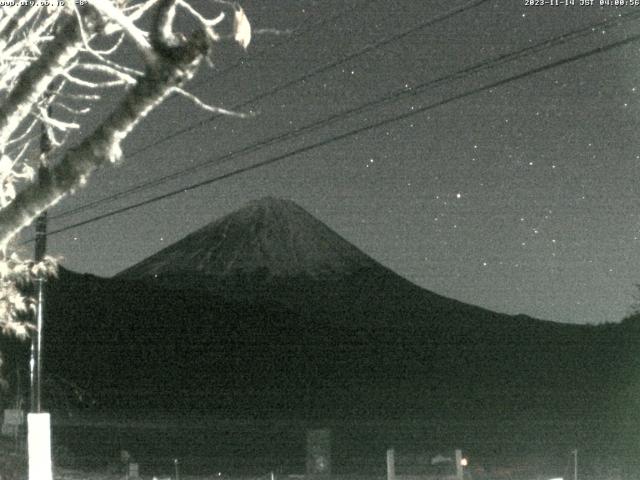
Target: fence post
(39,444)
(319,452)
(391,464)
(459,467)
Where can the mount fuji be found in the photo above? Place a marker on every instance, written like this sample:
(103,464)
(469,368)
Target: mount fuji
(272,249)
(270,237)
(267,312)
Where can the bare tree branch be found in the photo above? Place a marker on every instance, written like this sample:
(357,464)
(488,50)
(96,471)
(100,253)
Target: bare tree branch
(207,107)
(35,79)
(47,57)
(107,8)
(173,65)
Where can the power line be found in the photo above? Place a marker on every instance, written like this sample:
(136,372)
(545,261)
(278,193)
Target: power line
(317,71)
(298,32)
(475,68)
(306,76)
(356,131)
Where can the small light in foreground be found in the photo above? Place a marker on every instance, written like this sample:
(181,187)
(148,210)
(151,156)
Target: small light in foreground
(464,462)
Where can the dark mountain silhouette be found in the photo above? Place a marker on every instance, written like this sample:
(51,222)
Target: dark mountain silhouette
(267,313)
(269,236)
(274,250)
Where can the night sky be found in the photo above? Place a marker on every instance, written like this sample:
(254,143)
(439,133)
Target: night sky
(521,198)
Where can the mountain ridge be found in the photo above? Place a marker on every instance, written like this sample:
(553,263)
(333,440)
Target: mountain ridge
(331,336)
(273,248)
(272,236)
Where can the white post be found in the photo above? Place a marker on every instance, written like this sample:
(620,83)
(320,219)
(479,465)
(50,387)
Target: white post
(459,467)
(39,444)
(391,464)
(575,464)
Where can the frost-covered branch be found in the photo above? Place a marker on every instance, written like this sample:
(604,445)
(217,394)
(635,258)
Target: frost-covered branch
(15,18)
(35,79)
(209,108)
(172,63)
(109,10)
(58,59)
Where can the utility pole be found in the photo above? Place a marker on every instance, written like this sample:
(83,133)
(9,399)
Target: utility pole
(39,423)
(575,464)
(40,251)
(391,464)
(459,465)
(36,339)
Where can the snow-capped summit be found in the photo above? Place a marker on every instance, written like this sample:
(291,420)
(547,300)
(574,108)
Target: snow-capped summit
(269,236)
